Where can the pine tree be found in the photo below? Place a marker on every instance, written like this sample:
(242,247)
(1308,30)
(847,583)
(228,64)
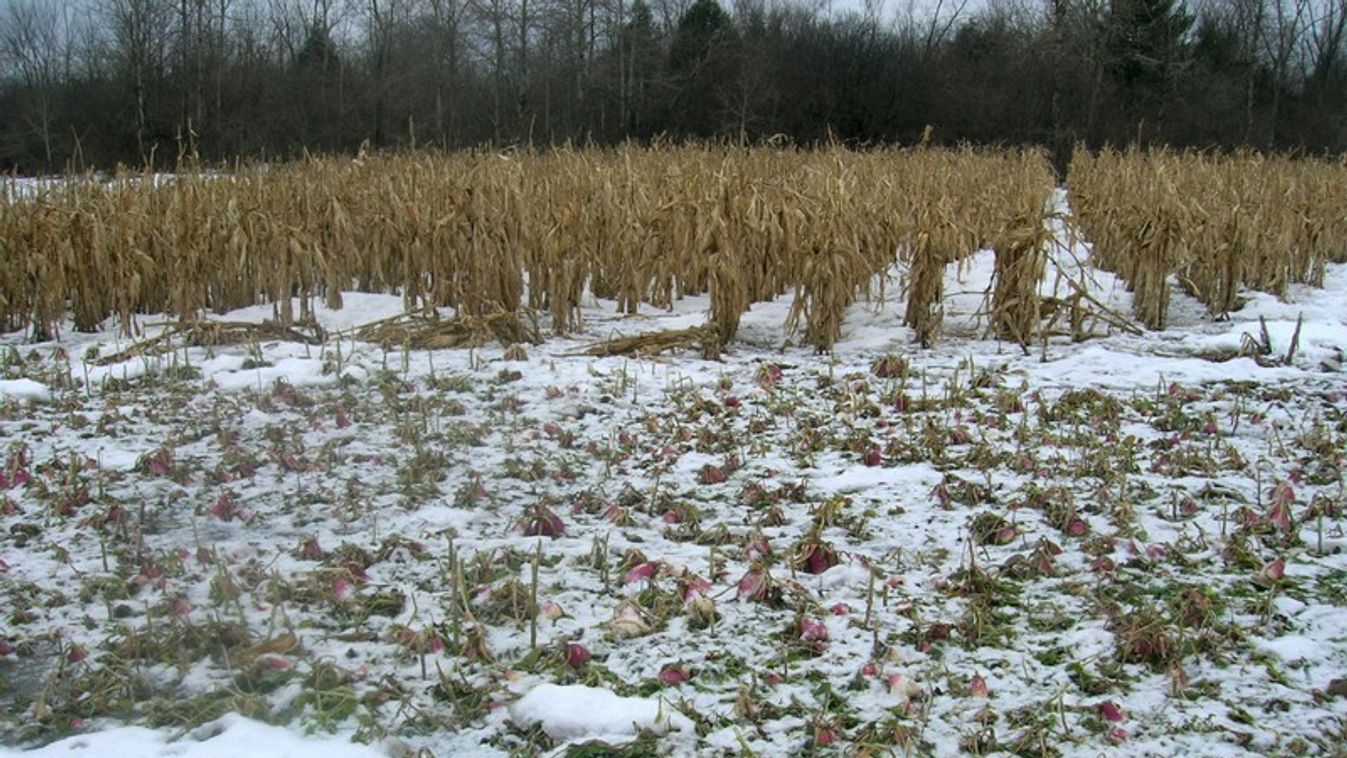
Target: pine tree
(1147,44)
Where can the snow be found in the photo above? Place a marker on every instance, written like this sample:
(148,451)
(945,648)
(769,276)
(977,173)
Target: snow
(229,737)
(23,389)
(1118,368)
(1292,648)
(357,309)
(297,372)
(576,712)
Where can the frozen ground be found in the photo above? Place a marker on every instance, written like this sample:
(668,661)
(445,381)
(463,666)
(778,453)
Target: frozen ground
(1131,544)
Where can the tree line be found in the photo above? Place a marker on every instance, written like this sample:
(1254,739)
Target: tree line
(94,83)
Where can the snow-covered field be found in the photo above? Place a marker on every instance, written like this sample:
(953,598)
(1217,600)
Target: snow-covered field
(1129,545)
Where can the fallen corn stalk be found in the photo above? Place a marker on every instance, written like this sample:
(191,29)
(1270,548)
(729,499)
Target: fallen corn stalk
(215,334)
(422,332)
(706,338)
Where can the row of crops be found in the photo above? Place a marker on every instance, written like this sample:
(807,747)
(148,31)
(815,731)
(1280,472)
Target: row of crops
(497,233)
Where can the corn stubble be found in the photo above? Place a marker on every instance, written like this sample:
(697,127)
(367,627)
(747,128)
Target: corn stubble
(491,234)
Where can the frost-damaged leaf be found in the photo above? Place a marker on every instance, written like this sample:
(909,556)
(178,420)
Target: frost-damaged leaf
(1178,679)
(756,585)
(1103,565)
(1271,573)
(990,529)
(310,550)
(226,509)
(15,473)
(642,572)
(978,686)
(276,662)
(756,546)
(474,645)
(672,676)
(890,367)
(697,603)
(575,655)
(628,622)
(701,612)
(694,587)
(814,556)
(541,521)
(343,588)
(426,640)
(712,474)
(813,630)
(901,685)
(768,375)
(825,733)
(158,462)
(1280,517)
(1109,710)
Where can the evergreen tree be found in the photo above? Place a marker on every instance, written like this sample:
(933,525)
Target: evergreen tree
(1147,44)
(702,28)
(318,51)
(702,58)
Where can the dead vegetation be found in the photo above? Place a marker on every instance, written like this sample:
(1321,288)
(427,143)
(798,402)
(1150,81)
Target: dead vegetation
(705,339)
(214,334)
(497,237)
(1212,223)
(422,331)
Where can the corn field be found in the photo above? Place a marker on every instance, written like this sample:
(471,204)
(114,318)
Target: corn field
(1213,224)
(489,233)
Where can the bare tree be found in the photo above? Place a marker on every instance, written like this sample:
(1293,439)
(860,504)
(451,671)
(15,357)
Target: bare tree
(572,23)
(935,23)
(1282,26)
(495,17)
(139,31)
(384,18)
(37,42)
(446,20)
(1328,28)
(669,13)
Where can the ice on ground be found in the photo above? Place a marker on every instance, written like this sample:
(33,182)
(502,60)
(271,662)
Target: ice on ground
(229,737)
(574,712)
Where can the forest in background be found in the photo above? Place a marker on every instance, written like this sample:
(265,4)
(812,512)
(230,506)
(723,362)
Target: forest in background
(143,82)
